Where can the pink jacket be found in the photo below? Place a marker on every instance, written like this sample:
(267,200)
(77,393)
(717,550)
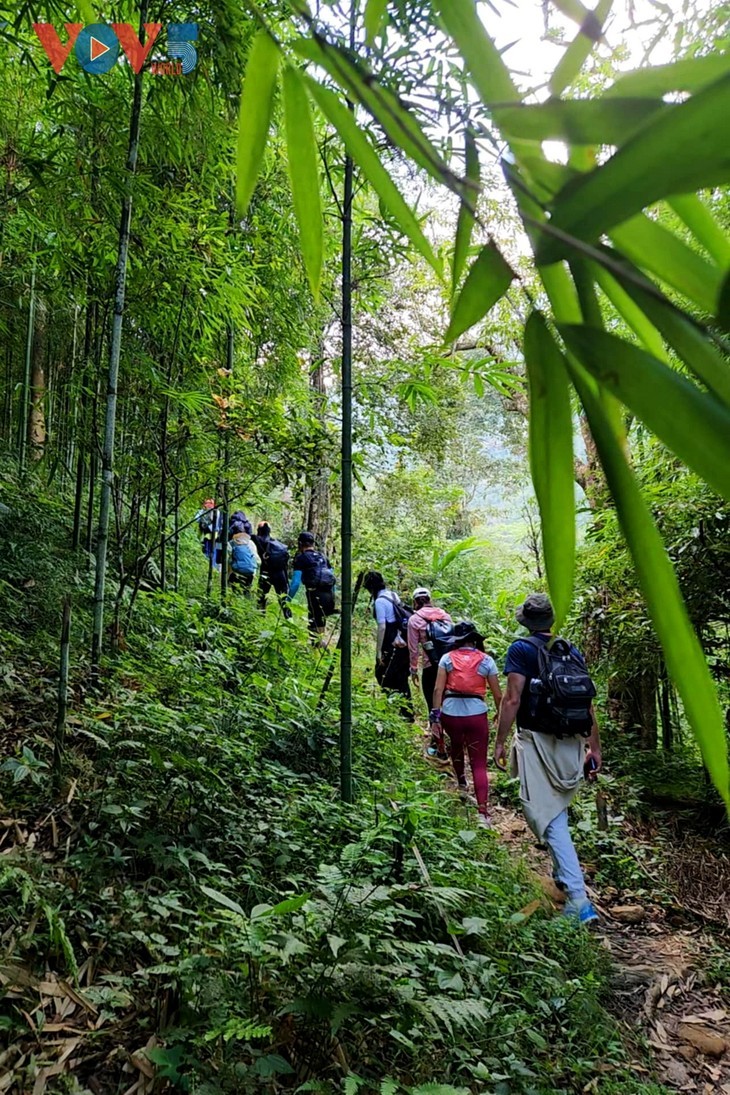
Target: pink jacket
(418,631)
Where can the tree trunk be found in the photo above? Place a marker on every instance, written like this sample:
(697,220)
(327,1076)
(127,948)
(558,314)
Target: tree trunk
(120,281)
(318,511)
(36,412)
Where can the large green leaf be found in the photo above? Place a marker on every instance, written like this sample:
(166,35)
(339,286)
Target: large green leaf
(693,424)
(647,168)
(572,61)
(254,116)
(366,157)
(483,60)
(653,247)
(682,651)
(703,226)
(467,214)
(304,171)
(375,17)
(631,313)
(488,279)
(551,459)
(577,121)
(690,74)
(688,339)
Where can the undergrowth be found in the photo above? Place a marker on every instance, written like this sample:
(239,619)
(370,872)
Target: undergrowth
(225,921)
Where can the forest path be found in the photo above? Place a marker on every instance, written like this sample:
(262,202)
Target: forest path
(659,988)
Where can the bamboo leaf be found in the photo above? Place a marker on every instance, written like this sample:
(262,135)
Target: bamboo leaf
(688,339)
(254,118)
(489,73)
(551,459)
(465,222)
(572,61)
(631,313)
(489,279)
(695,214)
(684,655)
(693,424)
(689,75)
(577,121)
(375,18)
(304,171)
(369,162)
(653,247)
(645,169)
(387,109)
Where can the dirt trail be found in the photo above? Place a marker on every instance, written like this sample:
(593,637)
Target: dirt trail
(659,988)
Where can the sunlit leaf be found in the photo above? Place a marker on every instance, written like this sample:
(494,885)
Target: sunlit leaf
(646,168)
(374,18)
(304,171)
(684,656)
(254,117)
(488,279)
(692,423)
(689,74)
(572,61)
(701,223)
(465,222)
(551,459)
(577,121)
(487,69)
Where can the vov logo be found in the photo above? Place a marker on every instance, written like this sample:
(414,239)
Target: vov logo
(97,46)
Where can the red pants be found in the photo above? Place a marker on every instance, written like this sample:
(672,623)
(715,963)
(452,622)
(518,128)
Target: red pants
(470,732)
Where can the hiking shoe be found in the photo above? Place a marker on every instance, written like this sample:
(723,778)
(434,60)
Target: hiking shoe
(582,910)
(484,821)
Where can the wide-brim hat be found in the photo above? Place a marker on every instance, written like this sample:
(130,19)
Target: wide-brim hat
(467,631)
(536,613)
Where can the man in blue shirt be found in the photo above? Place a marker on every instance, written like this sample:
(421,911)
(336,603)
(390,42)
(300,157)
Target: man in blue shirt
(550,768)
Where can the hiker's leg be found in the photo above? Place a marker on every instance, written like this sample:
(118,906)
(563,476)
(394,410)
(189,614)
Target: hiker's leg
(565,857)
(395,678)
(317,618)
(428,683)
(246,584)
(264,587)
(476,736)
(453,726)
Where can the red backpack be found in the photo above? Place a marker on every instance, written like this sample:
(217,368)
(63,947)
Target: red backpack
(464,680)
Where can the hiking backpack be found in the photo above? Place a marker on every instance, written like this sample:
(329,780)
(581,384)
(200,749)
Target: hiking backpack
(276,555)
(242,559)
(402,614)
(321,576)
(440,639)
(562,693)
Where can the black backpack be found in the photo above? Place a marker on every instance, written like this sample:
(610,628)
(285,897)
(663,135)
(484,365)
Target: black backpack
(402,614)
(320,575)
(276,555)
(440,640)
(562,693)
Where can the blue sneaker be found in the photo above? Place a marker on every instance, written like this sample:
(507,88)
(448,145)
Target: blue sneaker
(582,910)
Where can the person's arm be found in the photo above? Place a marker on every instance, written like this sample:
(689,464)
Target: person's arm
(434,715)
(507,715)
(294,584)
(413,642)
(594,743)
(380,614)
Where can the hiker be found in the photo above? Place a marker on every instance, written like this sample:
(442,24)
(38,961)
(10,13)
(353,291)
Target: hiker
(239,522)
(557,740)
(391,645)
(424,613)
(210,526)
(313,569)
(244,560)
(459,708)
(274,557)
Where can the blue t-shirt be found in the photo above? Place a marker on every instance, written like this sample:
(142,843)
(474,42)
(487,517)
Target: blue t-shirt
(522,658)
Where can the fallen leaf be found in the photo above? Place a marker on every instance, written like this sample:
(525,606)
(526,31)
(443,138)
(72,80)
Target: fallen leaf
(704,1040)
